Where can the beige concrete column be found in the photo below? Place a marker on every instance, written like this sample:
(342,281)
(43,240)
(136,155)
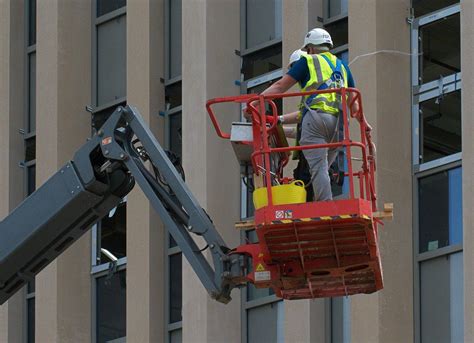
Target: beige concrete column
(467,58)
(211,34)
(145,235)
(11,143)
(384,80)
(63,295)
(305,320)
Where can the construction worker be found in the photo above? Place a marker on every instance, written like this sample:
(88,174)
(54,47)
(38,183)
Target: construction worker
(317,69)
(301,172)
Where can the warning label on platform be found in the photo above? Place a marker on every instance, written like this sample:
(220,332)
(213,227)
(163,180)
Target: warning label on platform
(263,276)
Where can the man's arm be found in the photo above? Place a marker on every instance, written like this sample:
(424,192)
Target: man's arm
(281,86)
(290,118)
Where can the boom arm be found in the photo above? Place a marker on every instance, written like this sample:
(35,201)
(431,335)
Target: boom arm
(82,192)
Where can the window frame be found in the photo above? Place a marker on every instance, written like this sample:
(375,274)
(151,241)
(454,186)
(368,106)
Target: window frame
(422,92)
(99,270)
(243,33)
(429,90)
(168,113)
(247,305)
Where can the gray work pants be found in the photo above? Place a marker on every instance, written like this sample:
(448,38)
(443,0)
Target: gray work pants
(319,128)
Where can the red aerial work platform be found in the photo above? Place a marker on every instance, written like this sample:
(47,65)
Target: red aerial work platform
(314,249)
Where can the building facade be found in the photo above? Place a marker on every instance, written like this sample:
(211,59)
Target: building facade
(167,57)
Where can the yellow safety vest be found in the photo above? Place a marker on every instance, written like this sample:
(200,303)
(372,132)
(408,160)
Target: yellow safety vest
(319,72)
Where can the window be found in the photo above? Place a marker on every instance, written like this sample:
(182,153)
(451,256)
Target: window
(436,88)
(30,312)
(440,45)
(113,234)
(441,126)
(29,136)
(111,60)
(111,307)
(339,32)
(422,7)
(175,288)
(31,22)
(441,299)
(31,124)
(31,179)
(107,6)
(440,210)
(262,61)
(340,313)
(337,7)
(173,142)
(263,22)
(175,41)
(265,323)
(109,252)
(436,81)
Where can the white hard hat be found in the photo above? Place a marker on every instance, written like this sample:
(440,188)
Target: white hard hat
(295,56)
(317,37)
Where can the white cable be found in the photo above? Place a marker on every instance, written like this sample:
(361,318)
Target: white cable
(385,52)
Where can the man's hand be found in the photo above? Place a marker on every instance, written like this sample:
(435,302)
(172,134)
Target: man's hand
(247,112)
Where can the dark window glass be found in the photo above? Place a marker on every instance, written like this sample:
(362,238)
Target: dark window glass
(262,323)
(262,61)
(337,7)
(175,133)
(32,92)
(176,336)
(111,307)
(175,40)
(31,22)
(172,242)
(441,134)
(440,45)
(173,95)
(176,287)
(263,21)
(339,32)
(30,303)
(344,56)
(31,170)
(440,210)
(340,319)
(99,117)
(30,149)
(113,233)
(441,299)
(422,7)
(31,287)
(106,6)
(111,60)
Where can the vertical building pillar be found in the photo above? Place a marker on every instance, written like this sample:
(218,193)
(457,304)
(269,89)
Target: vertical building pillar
(11,143)
(305,320)
(467,57)
(145,233)
(384,80)
(211,34)
(63,289)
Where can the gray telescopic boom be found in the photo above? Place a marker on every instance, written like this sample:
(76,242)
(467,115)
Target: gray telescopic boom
(86,189)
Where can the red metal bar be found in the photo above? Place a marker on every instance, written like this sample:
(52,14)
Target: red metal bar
(262,148)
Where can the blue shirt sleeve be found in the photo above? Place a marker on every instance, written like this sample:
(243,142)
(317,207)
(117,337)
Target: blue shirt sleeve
(350,79)
(299,71)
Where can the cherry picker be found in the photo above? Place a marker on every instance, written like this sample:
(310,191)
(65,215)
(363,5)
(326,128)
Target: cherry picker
(305,250)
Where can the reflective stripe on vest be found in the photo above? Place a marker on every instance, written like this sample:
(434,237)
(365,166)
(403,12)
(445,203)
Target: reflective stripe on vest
(320,71)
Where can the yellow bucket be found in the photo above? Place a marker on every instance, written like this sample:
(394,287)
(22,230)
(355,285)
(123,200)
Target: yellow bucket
(292,193)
